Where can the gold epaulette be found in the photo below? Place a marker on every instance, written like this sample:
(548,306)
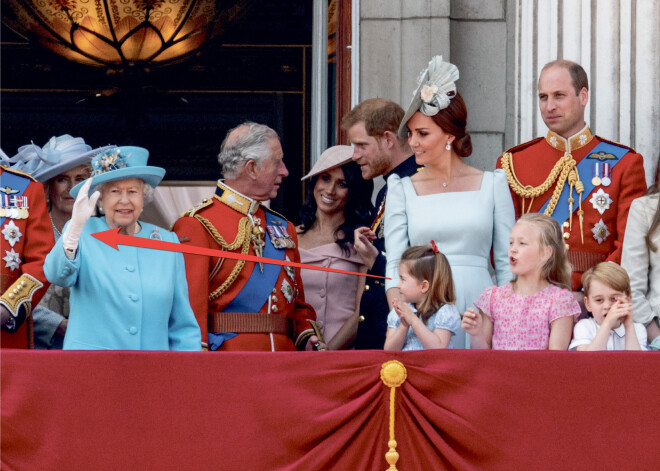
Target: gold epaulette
(618,144)
(20,292)
(201,205)
(524,145)
(266,208)
(18,172)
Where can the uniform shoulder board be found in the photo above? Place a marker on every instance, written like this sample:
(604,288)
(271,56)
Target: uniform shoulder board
(524,145)
(630,149)
(266,208)
(18,172)
(199,206)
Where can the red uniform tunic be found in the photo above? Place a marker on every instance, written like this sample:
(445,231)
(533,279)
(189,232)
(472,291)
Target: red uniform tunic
(227,215)
(27,237)
(603,233)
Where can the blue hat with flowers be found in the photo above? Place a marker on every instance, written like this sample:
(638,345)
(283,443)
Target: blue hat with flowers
(122,163)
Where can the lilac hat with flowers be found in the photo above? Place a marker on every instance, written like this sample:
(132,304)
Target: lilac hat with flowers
(60,154)
(122,163)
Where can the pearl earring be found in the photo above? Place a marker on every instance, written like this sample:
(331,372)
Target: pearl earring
(448,146)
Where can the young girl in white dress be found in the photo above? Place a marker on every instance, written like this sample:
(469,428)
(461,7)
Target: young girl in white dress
(424,316)
(536,310)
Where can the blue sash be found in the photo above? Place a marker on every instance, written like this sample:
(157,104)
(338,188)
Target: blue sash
(259,286)
(15,182)
(561,213)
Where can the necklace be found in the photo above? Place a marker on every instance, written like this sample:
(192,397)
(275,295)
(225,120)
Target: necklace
(58,234)
(451,177)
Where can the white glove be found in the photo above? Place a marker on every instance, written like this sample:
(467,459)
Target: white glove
(83,209)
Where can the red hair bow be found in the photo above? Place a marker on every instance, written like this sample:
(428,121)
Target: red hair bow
(435,247)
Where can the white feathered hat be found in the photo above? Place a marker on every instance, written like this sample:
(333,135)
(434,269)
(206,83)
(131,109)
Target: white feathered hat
(435,88)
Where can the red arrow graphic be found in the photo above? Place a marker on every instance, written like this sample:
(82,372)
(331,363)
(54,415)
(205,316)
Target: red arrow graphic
(113,238)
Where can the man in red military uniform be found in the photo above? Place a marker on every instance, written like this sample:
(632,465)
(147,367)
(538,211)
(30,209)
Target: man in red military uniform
(585,182)
(27,237)
(246,305)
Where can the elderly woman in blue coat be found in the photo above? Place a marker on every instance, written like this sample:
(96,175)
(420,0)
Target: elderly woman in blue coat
(131,299)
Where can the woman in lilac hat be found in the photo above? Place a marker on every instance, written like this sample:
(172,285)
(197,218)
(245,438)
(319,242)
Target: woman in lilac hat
(126,299)
(338,201)
(60,164)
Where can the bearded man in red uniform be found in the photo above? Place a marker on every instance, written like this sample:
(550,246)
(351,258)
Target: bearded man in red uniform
(246,305)
(585,182)
(27,237)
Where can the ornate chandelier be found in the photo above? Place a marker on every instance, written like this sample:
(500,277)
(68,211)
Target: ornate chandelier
(121,33)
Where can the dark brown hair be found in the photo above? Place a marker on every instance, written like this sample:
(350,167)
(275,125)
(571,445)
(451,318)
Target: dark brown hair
(379,115)
(578,75)
(453,120)
(425,264)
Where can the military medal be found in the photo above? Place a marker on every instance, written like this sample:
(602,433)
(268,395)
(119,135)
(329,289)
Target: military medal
(287,290)
(15,207)
(12,233)
(291,271)
(280,238)
(600,232)
(12,259)
(378,222)
(596,180)
(606,180)
(601,201)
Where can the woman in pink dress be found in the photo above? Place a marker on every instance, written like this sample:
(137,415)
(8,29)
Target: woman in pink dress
(338,201)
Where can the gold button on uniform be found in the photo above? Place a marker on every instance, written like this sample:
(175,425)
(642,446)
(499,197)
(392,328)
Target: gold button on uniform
(361,319)
(366,287)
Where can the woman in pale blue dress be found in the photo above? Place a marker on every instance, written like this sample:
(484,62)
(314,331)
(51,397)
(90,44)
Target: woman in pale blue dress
(466,212)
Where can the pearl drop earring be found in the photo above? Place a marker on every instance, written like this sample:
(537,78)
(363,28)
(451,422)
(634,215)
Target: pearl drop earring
(448,146)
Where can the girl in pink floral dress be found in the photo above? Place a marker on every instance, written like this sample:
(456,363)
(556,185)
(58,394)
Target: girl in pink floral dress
(536,310)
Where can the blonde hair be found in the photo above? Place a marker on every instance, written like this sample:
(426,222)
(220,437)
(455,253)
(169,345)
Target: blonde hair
(610,274)
(557,270)
(425,264)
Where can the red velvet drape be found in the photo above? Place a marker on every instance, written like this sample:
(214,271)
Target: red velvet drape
(328,410)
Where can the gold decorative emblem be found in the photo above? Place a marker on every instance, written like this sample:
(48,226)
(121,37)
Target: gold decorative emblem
(601,156)
(8,191)
(393,374)
(257,238)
